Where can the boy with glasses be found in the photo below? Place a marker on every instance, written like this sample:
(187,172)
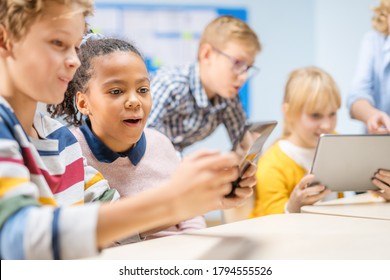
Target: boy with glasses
(190,102)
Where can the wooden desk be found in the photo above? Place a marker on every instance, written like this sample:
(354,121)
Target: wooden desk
(286,236)
(361,206)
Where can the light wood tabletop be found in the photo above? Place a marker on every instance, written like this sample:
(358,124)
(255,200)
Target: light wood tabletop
(282,236)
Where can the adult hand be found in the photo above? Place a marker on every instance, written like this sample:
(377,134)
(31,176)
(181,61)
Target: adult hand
(306,193)
(382,181)
(378,123)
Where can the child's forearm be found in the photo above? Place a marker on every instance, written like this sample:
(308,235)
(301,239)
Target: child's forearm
(131,215)
(198,186)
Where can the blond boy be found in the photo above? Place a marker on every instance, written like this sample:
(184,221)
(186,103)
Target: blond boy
(190,102)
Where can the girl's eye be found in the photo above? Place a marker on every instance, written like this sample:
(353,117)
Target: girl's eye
(143,90)
(316,116)
(115,91)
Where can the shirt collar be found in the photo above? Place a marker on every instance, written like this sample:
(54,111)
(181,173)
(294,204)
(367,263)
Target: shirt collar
(105,154)
(199,93)
(196,87)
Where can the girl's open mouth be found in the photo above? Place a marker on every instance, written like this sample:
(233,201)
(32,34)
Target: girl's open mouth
(133,121)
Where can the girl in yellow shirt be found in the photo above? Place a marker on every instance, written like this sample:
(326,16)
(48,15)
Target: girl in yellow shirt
(310,104)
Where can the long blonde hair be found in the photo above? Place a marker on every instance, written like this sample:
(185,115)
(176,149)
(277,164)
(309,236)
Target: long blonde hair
(308,90)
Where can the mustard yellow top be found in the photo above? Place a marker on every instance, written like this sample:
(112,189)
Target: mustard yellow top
(277,175)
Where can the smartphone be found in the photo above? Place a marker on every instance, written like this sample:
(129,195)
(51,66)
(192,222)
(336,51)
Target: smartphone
(249,146)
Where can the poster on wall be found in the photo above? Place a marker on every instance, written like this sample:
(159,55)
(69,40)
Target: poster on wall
(166,35)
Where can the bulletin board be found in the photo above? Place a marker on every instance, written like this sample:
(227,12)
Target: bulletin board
(166,35)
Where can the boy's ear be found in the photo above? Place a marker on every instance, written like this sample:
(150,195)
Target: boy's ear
(205,51)
(5,45)
(81,103)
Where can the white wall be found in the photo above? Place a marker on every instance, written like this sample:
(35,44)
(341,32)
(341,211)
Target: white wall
(340,27)
(285,30)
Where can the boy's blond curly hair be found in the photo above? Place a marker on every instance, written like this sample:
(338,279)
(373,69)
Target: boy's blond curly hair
(17,15)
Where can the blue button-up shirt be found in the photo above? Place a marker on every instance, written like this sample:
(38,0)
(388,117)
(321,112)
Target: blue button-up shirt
(372,79)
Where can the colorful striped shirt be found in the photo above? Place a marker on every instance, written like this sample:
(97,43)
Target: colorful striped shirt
(38,177)
(182,111)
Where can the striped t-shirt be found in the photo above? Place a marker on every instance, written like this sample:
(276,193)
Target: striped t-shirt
(38,177)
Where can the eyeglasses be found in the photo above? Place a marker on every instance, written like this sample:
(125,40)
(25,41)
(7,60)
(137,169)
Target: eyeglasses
(239,66)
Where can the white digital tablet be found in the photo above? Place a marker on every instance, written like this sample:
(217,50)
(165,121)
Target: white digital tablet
(348,162)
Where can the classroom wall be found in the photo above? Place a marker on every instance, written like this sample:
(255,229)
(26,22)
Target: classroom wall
(340,27)
(325,33)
